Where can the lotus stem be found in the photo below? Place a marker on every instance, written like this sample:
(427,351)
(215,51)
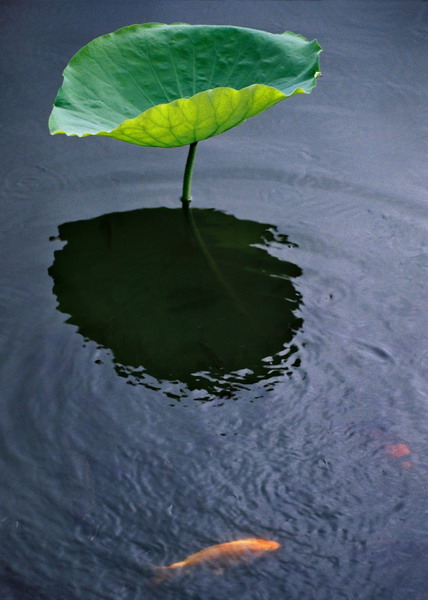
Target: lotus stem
(187,180)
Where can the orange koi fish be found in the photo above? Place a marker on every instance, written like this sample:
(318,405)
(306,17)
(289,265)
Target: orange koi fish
(398,451)
(219,555)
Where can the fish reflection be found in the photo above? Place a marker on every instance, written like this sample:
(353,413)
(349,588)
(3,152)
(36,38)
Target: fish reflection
(219,556)
(193,300)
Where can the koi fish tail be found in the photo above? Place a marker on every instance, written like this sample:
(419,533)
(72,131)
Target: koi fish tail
(160,574)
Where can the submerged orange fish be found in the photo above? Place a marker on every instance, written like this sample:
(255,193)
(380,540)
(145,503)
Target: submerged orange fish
(219,555)
(398,450)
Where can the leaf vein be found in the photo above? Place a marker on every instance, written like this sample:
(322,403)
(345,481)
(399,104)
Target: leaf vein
(175,69)
(108,80)
(137,84)
(155,74)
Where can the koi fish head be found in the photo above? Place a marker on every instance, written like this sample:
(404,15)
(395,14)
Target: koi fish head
(260,545)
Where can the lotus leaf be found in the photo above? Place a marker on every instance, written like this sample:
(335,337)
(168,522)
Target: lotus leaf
(171,85)
(175,85)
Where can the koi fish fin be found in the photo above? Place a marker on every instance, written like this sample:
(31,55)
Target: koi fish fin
(160,574)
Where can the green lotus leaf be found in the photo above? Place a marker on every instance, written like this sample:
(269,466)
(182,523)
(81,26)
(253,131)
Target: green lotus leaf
(172,85)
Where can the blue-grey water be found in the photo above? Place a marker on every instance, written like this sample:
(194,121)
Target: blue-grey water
(310,429)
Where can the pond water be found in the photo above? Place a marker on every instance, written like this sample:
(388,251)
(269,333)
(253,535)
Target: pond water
(262,371)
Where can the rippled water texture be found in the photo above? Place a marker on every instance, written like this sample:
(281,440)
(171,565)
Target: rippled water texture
(294,305)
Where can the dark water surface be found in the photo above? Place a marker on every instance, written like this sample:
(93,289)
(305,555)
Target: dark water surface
(267,379)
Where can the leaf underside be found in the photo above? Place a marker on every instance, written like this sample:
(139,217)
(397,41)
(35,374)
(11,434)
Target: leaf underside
(171,85)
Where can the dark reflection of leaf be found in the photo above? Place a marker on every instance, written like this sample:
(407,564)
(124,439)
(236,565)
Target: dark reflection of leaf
(196,299)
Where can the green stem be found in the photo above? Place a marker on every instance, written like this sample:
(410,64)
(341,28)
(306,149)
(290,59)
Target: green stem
(187,181)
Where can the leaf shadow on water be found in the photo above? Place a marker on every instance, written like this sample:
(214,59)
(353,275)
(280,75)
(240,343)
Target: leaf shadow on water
(185,300)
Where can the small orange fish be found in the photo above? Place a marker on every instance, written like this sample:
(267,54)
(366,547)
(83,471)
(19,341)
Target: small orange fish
(219,555)
(398,450)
